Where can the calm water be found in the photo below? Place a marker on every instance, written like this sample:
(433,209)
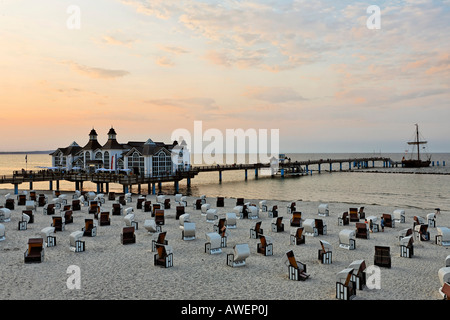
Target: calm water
(387,186)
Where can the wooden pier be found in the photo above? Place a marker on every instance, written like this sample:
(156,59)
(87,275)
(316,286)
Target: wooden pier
(287,168)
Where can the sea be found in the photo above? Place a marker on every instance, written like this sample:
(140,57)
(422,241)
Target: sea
(422,188)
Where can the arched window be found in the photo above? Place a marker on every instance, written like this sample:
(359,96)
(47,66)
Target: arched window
(98,156)
(106,160)
(87,155)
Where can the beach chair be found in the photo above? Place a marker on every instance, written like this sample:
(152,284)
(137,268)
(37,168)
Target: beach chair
(68,216)
(443,236)
(297,237)
(296,220)
(277,224)
(76,206)
(127,236)
(58,223)
(35,251)
(140,200)
(5,215)
(361,213)
(353,213)
(211,215)
(296,269)
(33,195)
(404,233)
(344,220)
(290,208)
(373,223)
(188,231)
(252,212)
(9,204)
(240,254)
(163,256)
(320,226)
(49,209)
(198,204)
(310,228)
(122,200)
(30,205)
(431,218)
(104,219)
(407,247)
(94,207)
(421,232)
(444,278)
(147,207)
(117,209)
(42,200)
(166,203)
(129,221)
(205,207)
(389,222)
(221,224)
(323,210)
(265,246)
(48,234)
(151,226)
(213,243)
(23,223)
(183,201)
(75,242)
(382,256)
(263,206)
(359,273)
(239,202)
(231,220)
(256,231)
(273,213)
(30,213)
(347,239)
(325,254)
(159,217)
(220,202)
(399,216)
(159,238)
(178,197)
(345,287)
(362,231)
(445,291)
(111,196)
(89,229)
(179,211)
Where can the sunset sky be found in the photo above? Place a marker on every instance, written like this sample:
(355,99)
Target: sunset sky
(312,69)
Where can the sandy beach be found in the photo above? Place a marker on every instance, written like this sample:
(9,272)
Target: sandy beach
(111,270)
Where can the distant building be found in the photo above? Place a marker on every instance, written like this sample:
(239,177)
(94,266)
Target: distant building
(143,158)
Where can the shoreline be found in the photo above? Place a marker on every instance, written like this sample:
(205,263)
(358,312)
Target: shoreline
(112,271)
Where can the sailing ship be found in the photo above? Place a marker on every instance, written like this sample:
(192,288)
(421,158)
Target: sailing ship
(413,162)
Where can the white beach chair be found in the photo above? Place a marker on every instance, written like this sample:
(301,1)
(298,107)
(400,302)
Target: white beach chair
(205,207)
(238,210)
(100,198)
(128,197)
(444,277)
(164,256)
(347,239)
(48,234)
(231,220)
(404,233)
(23,223)
(178,197)
(443,236)
(183,219)
(2,232)
(359,273)
(431,218)
(213,243)
(30,205)
(151,226)
(75,243)
(375,225)
(263,206)
(129,221)
(188,231)
(323,210)
(5,215)
(326,252)
(399,215)
(345,287)
(211,215)
(447,261)
(76,195)
(309,228)
(252,212)
(241,253)
(407,247)
(183,201)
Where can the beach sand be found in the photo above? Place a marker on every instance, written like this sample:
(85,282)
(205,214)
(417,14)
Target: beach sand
(111,270)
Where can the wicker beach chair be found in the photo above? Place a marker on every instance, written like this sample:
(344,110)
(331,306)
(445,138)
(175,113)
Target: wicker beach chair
(277,224)
(345,287)
(89,230)
(179,211)
(296,220)
(127,236)
(382,257)
(265,246)
(389,222)
(256,231)
(353,213)
(49,208)
(117,209)
(58,223)
(362,231)
(164,256)
(68,216)
(159,217)
(347,239)
(344,220)
(325,254)
(296,269)
(407,247)
(104,219)
(297,237)
(35,251)
(159,238)
(240,254)
(359,273)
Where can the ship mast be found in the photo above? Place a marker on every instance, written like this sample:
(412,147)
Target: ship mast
(417,142)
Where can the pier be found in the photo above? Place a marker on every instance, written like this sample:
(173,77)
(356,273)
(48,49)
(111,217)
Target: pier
(102,180)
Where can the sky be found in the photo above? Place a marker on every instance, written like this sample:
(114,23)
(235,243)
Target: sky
(314,70)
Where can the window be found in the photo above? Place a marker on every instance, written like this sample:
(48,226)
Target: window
(106,160)
(162,164)
(136,163)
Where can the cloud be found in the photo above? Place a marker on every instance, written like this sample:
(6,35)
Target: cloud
(273,94)
(94,72)
(164,62)
(116,41)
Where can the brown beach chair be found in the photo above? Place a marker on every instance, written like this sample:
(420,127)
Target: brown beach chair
(446,291)
(256,232)
(89,229)
(160,240)
(33,195)
(278,225)
(296,220)
(159,217)
(198,204)
(112,196)
(163,257)
(321,228)
(382,257)
(273,213)
(49,209)
(104,219)
(147,206)
(94,207)
(296,269)
(346,289)
(35,251)
(58,223)
(155,207)
(265,246)
(179,212)
(122,200)
(361,231)
(353,212)
(220,202)
(388,221)
(127,236)
(239,201)
(344,220)
(30,214)
(76,206)
(68,216)
(139,203)
(291,208)
(116,209)
(9,204)
(297,237)
(21,199)
(41,200)
(166,203)
(221,224)
(325,254)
